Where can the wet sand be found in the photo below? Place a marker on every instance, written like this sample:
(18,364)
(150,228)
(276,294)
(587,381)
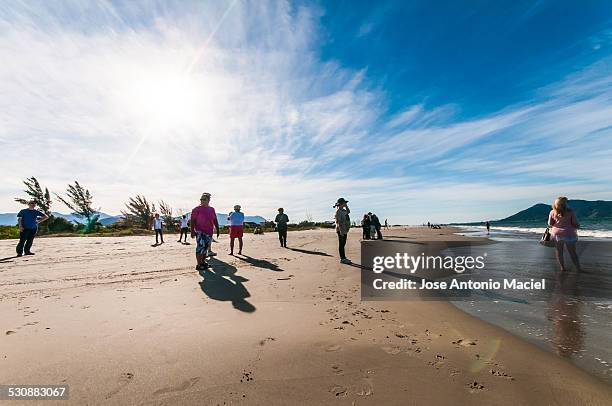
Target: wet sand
(122,322)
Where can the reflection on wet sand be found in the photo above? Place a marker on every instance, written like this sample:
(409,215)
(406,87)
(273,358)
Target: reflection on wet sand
(563,312)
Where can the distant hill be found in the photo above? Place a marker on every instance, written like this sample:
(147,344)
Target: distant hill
(222,219)
(586,210)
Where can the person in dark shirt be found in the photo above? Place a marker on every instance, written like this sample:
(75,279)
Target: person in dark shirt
(365,224)
(281,221)
(377,225)
(28,221)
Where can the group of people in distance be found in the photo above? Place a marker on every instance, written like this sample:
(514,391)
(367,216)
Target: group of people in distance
(371,226)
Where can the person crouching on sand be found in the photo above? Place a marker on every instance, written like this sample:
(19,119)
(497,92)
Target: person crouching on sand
(564,226)
(203,223)
(157,226)
(236,219)
(184,228)
(281,221)
(343,224)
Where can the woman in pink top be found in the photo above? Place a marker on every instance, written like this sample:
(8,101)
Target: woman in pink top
(564,224)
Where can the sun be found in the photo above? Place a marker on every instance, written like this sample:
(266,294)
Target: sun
(164,101)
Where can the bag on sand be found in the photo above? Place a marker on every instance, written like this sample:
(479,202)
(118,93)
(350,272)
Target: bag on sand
(546,239)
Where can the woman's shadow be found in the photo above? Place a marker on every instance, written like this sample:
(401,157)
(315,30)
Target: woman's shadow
(221,283)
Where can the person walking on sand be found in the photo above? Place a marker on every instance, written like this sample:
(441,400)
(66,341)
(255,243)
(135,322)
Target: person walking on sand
(343,224)
(203,223)
(281,221)
(28,221)
(386,224)
(236,219)
(184,228)
(564,226)
(157,226)
(365,225)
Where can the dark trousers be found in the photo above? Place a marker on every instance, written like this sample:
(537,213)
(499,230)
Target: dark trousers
(160,234)
(366,232)
(183,231)
(26,237)
(378,233)
(282,236)
(342,244)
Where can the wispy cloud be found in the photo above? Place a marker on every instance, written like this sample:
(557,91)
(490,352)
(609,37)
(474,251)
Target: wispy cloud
(171,99)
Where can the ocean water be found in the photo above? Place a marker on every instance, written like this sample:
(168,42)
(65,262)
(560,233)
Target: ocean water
(573,319)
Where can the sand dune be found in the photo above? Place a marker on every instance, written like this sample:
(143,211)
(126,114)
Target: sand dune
(122,322)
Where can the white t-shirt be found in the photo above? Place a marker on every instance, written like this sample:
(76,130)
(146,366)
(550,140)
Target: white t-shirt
(236,218)
(184,222)
(157,223)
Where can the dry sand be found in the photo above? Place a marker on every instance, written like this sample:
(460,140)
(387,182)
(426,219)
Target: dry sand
(122,322)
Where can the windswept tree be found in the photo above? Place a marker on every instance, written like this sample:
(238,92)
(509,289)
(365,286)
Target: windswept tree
(80,201)
(139,211)
(36,193)
(166,213)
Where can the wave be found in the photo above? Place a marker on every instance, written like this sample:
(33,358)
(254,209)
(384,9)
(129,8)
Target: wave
(538,230)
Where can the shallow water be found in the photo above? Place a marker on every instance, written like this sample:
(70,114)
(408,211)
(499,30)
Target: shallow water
(573,319)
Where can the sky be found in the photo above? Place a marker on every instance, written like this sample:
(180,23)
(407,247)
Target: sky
(442,111)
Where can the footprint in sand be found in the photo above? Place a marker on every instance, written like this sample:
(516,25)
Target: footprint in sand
(179,388)
(339,391)
(124,380)
(464,342)
(265,340)
(337,370)
(475,387)
(364,387)
(9,332)
(333,348)
(501,374)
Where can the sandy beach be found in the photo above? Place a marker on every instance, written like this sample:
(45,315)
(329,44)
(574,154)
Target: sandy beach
(125,323)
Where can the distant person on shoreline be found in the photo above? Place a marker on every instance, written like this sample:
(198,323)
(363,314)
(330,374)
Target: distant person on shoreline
(157,226)
(488,225)
(564,226)
(365,225)
(203,223)
(281,221)
(184,228)
(28,221)
(343,225)
(386,224)
(236,220)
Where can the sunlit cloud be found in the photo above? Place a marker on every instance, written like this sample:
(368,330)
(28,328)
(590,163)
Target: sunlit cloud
(172,99)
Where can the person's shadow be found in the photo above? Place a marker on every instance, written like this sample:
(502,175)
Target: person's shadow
(323,254)
(221,283)
(260,263)
(7,259)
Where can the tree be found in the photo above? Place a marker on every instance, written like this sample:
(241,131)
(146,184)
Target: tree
(34,190)
(139,211)
(166,212)
(80,201)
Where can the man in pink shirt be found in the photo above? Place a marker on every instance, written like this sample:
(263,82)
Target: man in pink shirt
(203,223)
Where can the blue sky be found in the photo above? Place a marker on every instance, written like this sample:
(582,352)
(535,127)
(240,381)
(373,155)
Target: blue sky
(441,111)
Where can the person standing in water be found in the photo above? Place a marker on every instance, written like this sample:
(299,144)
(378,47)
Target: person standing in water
(184,228)
(343,224)
(203,223)
(28,221)
(281,221)
(157,226)
(236,220)
(564,226)
(488,227)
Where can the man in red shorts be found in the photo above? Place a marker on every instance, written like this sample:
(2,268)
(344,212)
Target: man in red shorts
(236,219)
